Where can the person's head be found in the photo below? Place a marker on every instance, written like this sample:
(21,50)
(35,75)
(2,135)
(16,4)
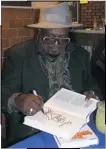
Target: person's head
(54,22)
(54,41)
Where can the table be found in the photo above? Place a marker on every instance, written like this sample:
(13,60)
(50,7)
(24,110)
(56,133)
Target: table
(45,140)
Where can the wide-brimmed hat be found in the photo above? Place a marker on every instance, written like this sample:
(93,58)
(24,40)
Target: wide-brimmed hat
(56,16)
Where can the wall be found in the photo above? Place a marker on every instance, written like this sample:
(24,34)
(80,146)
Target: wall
(13,22)
(88,11)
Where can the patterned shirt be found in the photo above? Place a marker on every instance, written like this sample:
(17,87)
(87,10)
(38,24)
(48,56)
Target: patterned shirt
(56,70)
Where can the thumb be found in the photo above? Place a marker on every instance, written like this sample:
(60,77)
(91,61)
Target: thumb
(87,96)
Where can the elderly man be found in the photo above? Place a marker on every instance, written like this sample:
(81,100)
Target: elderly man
(45,65)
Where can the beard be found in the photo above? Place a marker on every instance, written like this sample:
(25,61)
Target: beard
(54,51)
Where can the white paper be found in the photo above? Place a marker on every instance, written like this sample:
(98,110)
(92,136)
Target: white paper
(55,123)
(71,103)
(83,142)
(64,114)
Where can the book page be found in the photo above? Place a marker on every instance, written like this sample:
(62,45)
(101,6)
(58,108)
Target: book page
(55,122)
(85,136)
(71,103)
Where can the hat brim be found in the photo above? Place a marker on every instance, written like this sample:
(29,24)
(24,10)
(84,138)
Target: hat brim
(53,25)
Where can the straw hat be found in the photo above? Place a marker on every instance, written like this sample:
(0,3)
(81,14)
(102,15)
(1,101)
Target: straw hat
(56,16)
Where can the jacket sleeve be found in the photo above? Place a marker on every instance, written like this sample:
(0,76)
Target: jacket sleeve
(90,83)
(11,76)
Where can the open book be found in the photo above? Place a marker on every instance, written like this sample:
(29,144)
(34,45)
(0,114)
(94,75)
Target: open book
(64,114)
(85,137)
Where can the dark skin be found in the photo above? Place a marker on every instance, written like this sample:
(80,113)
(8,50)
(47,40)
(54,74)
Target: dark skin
(55,49)
(27,101)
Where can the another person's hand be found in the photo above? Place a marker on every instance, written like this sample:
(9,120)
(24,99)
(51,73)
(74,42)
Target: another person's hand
(28,104)
(89,95)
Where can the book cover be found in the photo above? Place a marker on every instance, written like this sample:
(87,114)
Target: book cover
(85,137)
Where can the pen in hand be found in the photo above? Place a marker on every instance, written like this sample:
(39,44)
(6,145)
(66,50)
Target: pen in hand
(34,92)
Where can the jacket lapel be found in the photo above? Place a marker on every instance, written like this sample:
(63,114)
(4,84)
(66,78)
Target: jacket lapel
(41,79)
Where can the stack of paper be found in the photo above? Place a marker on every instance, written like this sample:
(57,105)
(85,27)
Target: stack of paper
(85,137)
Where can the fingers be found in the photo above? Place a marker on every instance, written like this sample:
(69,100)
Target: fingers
(26,102)
(31,108)
(90,94)
(36,106)
(38,99)
(32,102)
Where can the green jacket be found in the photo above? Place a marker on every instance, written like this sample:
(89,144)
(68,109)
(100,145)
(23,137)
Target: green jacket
(22,72)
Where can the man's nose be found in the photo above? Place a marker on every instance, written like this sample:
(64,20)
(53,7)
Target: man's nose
(56,43)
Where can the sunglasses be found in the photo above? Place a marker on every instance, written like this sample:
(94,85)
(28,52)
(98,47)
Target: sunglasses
(52,40)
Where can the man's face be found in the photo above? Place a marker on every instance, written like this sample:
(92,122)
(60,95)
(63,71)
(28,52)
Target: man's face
(54,41)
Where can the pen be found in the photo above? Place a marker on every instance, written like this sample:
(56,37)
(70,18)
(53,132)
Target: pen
(35,93)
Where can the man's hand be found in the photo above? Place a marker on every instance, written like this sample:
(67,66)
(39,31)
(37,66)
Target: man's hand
(28,104)
(90,94)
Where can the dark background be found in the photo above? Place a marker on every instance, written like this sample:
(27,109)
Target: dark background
(16,3)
